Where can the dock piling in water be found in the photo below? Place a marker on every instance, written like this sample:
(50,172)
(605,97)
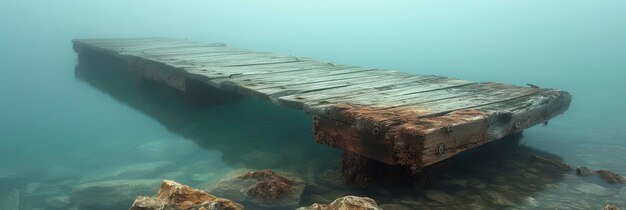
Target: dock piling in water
(393,117)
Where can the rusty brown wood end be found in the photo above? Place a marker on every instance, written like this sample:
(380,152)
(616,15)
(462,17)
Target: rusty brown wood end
(399,138)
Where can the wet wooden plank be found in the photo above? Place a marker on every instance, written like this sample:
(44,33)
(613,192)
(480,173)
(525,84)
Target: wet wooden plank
(504,117)
(391,116)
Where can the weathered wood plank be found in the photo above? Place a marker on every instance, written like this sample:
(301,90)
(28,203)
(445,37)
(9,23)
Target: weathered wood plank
(390,116)
(387,98)
(140,45)
(430,104)
(375,87)
(504,118)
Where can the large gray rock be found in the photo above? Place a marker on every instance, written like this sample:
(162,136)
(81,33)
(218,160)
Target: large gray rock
(266,188)
(114,194)
(10,200)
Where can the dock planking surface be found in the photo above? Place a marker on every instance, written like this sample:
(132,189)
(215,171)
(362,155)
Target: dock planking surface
(390,116)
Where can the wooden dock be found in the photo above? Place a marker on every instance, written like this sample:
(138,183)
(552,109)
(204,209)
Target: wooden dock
(394,117)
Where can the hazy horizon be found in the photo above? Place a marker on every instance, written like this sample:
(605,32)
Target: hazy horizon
(51,117)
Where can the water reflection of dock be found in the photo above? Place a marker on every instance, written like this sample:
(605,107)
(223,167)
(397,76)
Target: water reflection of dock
(393,117)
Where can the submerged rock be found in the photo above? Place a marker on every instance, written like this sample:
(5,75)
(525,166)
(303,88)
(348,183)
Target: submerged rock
(583,171)
(174,196)
(264,188)
(557,163)
(114,194)
(611,177)
(346,203)
(147,203)
(10,200)
(610,207)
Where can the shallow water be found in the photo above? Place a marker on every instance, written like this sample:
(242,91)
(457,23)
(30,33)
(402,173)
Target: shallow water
(64,126)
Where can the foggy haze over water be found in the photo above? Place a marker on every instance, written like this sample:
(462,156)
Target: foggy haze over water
(50,119)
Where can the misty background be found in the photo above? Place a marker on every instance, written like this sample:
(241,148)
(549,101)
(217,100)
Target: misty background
(577,46)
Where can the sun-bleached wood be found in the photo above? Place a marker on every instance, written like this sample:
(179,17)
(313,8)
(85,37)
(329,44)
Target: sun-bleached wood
(390,116)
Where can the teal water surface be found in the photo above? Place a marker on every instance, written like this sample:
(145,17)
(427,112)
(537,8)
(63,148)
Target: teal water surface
(61,127)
